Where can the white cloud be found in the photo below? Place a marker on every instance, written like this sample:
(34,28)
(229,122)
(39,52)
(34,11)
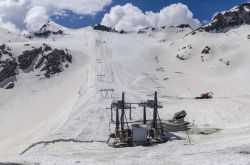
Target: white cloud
(129,17)
(77,6)
(8,25)
(36,17)
(30,14)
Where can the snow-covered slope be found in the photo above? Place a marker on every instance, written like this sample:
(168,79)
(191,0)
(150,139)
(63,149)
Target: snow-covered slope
(69,104)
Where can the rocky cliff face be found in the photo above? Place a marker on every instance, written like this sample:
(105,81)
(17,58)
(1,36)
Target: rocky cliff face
(8,65)
(224,21)
(54,61)
(44,59)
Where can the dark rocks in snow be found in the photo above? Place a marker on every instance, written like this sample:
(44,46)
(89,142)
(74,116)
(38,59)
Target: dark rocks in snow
(206,50)
(103,28)
(233,18)
(46,47)
(8,66)
(141,32)
(178,29)
(28,56)
(193,33)
(2,47)
(157,59)
(122,32)
(42,34)
(184,52)
(54,62)
(26,44)
(46,59)
(184,26)
(189,47)
(107,29)
(5,50)
(153,29)
(164,40)
(46,33)
(245,152)
(181,57)
(59,32)
(226,62)
(7,69)
(160,69)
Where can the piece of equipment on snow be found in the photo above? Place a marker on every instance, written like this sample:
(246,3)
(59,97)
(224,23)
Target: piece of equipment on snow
(208,95)
(128,134)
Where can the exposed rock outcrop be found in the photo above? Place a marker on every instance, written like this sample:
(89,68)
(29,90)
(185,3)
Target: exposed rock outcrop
(46,33)
(28,56)
(54,62)
(7,69)
(103,28)
(5,50)
(206,50)
(44,59)
(184,26)
(8,65)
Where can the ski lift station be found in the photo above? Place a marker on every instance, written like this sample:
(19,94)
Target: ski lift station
(148,131)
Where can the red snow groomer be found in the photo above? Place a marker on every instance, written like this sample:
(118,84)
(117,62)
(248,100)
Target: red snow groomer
(208,95)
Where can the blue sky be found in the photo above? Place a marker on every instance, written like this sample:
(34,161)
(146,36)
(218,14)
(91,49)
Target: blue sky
(202,10)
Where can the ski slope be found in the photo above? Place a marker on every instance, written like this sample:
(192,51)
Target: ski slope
(71,106)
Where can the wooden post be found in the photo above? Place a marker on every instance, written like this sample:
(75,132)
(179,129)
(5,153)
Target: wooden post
(123,111)
(130,114)
(111,111)
(155,112)
(144,115)
(117,120)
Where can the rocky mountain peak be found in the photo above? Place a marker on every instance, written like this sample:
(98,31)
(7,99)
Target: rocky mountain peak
(51,28)
(226,20)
